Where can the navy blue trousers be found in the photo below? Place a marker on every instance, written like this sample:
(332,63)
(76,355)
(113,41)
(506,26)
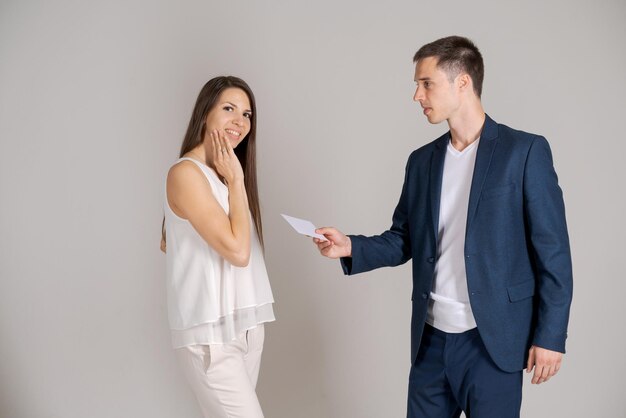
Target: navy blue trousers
(453,373)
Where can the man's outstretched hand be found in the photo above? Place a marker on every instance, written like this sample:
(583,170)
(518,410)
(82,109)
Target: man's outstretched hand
(338,245)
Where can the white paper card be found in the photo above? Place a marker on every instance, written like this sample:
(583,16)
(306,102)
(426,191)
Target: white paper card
(303,227)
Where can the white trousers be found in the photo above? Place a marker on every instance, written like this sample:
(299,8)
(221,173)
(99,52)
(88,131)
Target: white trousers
(223,376)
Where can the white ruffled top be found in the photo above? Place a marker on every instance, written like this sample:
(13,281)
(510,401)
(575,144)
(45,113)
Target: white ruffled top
(210,301)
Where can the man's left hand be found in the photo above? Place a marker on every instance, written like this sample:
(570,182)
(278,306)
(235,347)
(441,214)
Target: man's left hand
(545,362)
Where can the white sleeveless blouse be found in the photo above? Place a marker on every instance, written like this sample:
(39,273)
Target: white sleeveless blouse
(210,301)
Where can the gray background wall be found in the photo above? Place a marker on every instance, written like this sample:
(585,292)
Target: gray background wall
(94,100)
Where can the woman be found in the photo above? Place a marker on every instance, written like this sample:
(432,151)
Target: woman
(218,291)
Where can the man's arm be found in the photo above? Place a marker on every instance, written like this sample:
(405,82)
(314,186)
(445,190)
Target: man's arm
(550,252)
(359,253)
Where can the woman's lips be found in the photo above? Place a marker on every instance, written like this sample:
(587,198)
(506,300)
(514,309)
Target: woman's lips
(232,134)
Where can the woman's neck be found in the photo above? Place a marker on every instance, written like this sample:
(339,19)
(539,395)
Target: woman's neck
(199,153)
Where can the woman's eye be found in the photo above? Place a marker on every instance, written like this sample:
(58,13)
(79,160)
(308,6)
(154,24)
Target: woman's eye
(228,108)
(247,115)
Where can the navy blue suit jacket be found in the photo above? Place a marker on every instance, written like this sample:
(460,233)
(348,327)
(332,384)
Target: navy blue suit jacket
(517,255)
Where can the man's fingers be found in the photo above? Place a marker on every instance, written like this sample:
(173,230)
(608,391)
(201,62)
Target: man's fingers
(325,230)
(323,244)
(553,371)
(546,374)
(545,362)
(537,374)
(531,360)
(336,244)
(543,373)
(326,251)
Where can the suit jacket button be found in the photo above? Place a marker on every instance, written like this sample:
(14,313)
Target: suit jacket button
(424,296)
(431,259)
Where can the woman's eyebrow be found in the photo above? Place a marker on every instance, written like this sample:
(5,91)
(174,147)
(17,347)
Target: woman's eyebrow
(234,105)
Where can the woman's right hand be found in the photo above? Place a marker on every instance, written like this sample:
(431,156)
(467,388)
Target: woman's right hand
(226,162)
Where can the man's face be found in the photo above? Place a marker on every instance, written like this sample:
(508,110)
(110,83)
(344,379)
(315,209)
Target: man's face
(438,96)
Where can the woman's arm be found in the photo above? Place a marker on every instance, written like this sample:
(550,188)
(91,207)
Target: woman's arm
(190,197)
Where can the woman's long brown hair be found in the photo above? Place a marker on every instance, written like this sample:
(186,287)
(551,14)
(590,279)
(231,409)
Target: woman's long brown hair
(245,151)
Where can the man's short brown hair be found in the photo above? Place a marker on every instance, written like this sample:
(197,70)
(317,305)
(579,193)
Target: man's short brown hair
(455,55)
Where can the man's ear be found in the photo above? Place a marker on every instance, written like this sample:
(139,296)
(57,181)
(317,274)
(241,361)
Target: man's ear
(464,82)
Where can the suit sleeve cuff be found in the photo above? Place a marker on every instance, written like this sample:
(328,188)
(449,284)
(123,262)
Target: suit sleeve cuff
(554,343)
(346,265)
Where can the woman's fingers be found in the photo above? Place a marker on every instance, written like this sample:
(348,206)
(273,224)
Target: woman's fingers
(216,146)
(227,149)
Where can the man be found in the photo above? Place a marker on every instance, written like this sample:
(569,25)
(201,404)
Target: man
(482,217)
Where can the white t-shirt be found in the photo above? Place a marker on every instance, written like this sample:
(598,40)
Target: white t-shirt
(449,309)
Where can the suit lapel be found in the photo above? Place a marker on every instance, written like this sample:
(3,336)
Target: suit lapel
(484,153)
(436,174)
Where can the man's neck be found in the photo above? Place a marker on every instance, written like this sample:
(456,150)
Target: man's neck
(465,127)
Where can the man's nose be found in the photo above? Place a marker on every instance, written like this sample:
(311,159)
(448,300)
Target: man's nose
(418,96)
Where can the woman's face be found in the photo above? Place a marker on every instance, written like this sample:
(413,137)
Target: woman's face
(231,114)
